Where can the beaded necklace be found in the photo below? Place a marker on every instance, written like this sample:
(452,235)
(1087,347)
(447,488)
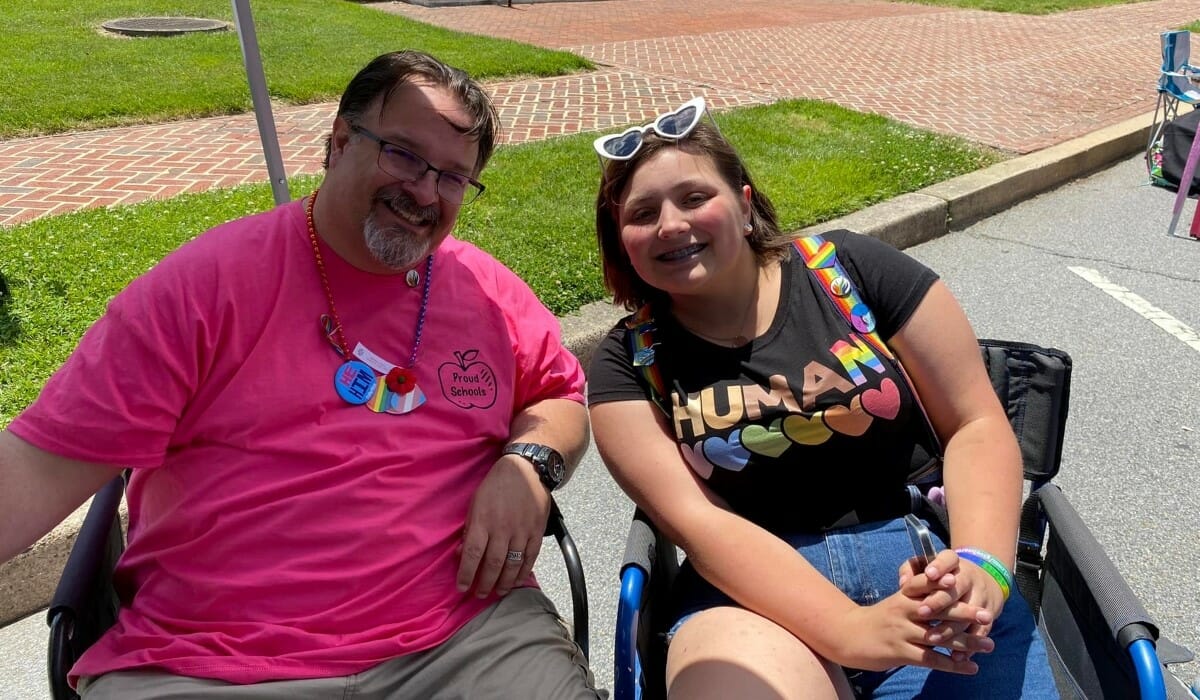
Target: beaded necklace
(356,380)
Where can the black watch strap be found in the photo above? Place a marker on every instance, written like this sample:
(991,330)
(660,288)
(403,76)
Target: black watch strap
(549,464)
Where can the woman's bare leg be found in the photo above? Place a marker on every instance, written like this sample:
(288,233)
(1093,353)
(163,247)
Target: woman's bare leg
(729,652)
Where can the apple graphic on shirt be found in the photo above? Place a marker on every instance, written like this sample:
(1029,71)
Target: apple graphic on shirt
(466,382)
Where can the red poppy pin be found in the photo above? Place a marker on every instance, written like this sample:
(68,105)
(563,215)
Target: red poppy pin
(400,380)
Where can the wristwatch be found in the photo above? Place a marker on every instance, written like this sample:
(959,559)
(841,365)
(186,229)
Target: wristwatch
(551,468)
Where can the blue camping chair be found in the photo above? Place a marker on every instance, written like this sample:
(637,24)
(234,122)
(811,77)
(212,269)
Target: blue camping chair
(1177,82)
(1101,641)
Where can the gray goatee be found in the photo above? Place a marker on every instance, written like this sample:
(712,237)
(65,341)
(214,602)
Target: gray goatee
(393,247)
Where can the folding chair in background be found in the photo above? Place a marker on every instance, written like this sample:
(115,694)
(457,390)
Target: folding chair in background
(1178,82)
(1174,82)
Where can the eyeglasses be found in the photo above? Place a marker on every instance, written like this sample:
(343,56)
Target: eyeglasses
(399,162)
(672,125)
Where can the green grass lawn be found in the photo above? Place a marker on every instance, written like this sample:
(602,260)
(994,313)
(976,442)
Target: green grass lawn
(62,72)
(815,160)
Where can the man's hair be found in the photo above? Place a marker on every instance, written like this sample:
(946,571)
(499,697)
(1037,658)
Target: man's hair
(620,279)
(383,75)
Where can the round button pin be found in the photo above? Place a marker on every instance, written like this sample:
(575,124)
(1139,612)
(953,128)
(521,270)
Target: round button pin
(355,382)
(862,319)
(840,286)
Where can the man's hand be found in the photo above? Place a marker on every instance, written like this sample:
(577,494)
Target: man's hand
(508,514)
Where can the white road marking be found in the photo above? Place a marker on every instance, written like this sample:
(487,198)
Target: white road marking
(1150,312)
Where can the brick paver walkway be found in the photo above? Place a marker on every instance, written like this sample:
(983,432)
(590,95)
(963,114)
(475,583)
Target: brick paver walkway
(1015,82)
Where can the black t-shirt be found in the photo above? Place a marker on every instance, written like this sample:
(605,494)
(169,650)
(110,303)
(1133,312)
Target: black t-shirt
(806,424)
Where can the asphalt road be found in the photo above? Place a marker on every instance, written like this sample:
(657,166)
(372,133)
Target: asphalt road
(1031,273)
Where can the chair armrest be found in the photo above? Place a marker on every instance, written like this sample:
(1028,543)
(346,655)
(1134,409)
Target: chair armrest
(640,547)
(1071,538)
(87,554)
(643,616)
(84,606)
(556,526)
(1091,599)
(636,570)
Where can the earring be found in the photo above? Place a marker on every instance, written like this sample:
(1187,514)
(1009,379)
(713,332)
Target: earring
(748,227)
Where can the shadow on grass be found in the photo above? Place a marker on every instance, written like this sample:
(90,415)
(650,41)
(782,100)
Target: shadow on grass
(10,328)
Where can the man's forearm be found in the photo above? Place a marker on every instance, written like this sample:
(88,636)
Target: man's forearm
(558,423)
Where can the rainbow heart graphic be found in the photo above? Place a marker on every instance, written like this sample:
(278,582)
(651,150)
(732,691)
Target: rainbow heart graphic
(769,442)
(806,430)
(848,421)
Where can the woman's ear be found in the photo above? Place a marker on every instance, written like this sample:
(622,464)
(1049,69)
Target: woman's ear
(747,198)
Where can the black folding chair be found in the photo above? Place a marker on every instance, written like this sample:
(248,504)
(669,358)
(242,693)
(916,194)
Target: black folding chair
(1101,641)
(85,603)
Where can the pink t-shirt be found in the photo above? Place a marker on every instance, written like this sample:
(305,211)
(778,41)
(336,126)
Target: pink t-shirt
(277,531)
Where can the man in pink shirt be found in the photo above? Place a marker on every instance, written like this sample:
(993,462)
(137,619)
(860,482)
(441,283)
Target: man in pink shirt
(343,427)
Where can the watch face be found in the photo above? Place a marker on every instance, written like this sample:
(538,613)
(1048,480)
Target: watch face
(552,462)
(555,467)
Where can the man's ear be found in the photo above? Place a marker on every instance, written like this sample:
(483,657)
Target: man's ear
(338,140)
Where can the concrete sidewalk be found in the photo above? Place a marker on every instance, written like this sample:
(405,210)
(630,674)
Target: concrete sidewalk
(1071,91)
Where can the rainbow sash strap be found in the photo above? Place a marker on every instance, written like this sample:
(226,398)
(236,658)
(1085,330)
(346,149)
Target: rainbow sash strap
(640,340)
(820,257)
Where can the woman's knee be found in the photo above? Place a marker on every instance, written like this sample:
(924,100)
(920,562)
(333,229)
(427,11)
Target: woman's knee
(730,652)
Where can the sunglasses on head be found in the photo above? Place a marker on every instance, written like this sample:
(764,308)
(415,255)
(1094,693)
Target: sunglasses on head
(672,125)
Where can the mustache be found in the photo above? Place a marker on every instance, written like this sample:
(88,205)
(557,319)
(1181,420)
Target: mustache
(401,202)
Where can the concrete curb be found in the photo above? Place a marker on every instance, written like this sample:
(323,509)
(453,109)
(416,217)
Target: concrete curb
(28,581)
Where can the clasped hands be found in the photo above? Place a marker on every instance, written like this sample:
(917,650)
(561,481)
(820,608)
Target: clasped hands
(504,528)
(950,605)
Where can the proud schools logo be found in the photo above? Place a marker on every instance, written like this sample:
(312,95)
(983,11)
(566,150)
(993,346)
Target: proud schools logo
(467,382)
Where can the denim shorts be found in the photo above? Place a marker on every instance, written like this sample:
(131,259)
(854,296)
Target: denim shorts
(863,560)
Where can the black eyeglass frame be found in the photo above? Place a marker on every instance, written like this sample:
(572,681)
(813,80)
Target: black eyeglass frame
(473,185)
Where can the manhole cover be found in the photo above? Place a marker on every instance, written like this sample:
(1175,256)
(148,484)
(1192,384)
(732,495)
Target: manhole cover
(163,26)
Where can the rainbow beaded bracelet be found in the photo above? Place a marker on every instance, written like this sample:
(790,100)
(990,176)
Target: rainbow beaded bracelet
(991,565)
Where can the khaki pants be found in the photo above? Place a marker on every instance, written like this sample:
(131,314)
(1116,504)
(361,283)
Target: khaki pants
(517,648)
